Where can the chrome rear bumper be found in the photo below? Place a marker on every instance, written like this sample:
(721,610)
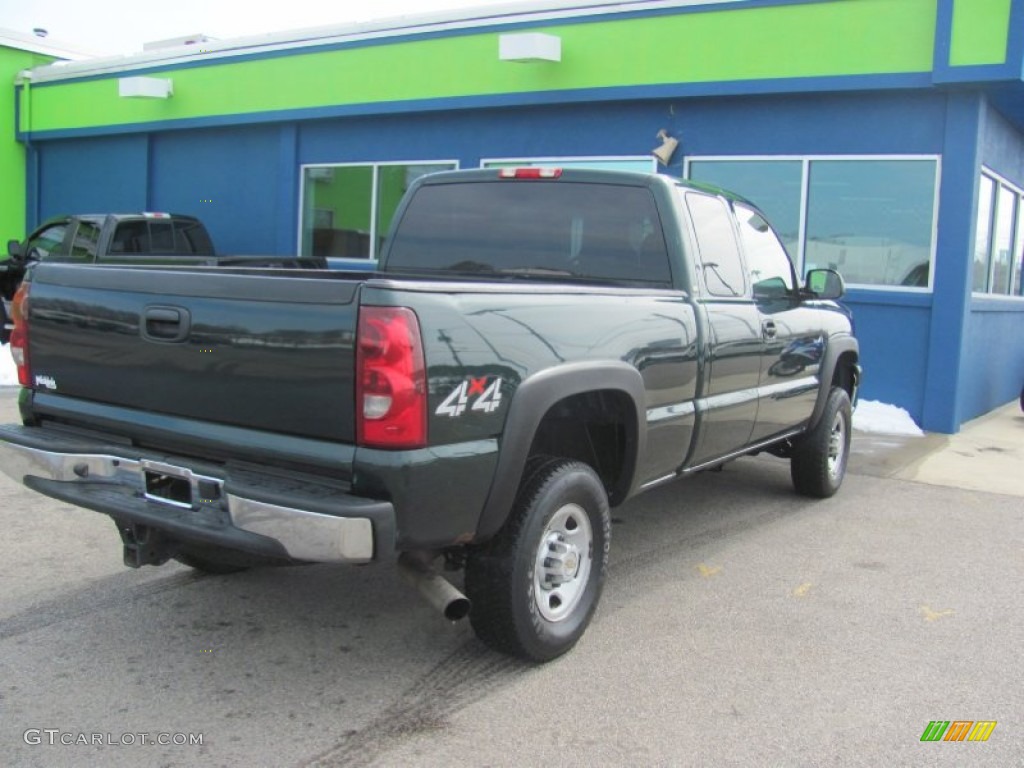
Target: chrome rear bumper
(164,492)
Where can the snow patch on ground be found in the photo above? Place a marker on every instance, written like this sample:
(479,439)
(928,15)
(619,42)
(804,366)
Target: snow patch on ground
(884,419)
(8,373)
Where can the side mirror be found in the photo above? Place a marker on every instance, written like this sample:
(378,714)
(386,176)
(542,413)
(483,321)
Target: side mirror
(824,284)
(14,250)
(772,289)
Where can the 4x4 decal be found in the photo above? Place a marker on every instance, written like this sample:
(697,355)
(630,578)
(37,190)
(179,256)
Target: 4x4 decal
(488,397)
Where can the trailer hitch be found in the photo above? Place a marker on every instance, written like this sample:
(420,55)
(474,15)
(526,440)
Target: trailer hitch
(144,545)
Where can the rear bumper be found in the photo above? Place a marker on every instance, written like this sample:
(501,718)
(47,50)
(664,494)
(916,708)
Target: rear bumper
(260,511)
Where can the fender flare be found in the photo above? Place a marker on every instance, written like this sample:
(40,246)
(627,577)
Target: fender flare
(837,347)
(531,402)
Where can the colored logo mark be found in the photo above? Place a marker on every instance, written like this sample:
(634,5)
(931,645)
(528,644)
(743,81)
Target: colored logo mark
(958,730)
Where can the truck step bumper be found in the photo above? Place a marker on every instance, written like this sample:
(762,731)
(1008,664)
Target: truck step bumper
(280,516)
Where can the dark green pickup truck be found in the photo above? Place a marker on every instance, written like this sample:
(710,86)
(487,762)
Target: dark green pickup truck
(536,347)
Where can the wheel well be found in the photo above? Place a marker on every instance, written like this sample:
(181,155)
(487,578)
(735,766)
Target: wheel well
(598,428)
(845,373)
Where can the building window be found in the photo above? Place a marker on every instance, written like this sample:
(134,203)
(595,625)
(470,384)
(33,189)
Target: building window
(870,218)
(873,220)
(998,237)
(776,186)
(1018,262)
(346,210)
(639,164)
(983,234)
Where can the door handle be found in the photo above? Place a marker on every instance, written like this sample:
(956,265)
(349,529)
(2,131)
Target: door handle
(166,324)
(768,330)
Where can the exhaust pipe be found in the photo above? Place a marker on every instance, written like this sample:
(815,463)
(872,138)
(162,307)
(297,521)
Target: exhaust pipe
(437,590)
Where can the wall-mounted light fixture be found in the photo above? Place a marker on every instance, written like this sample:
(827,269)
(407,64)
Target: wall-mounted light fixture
(145,87)
(529,47)
(667,149)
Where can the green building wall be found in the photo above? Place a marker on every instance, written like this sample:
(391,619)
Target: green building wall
(865,37)
(12,153)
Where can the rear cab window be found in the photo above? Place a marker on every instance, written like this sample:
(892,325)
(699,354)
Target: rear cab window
(160,237)
(558,229)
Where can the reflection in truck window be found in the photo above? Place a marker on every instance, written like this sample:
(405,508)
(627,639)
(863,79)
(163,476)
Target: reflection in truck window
(720,256)
(766,257)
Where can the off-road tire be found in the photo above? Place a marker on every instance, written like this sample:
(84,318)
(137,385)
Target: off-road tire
(526,602)
(819,459)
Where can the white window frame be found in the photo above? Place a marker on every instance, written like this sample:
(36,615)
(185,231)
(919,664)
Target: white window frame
(1015,264)
(488,162)
(374,165)
(805,182)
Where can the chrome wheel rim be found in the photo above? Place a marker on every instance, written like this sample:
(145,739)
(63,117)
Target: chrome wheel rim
(564,559)
(837,445)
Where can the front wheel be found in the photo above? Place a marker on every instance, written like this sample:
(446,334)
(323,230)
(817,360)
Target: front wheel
(818,463)
(535,586)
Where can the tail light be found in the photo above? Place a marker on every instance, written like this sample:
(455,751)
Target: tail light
(391,381)
(19,336)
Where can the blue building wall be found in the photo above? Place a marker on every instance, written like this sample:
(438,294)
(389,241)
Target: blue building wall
(226,177)
(992,372)
(90,176)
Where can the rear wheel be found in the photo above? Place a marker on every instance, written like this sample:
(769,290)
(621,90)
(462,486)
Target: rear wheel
(535,586)
(818,463)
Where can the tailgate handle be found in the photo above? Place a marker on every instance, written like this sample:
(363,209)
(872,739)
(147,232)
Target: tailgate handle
(162,323)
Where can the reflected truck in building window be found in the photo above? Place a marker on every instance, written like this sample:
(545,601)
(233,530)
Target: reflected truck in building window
(121,239)
(536,347)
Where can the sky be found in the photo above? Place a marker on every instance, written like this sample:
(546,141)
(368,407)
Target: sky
(109,27)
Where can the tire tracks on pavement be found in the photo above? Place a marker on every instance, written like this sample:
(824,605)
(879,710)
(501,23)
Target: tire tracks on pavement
(467,675)
(108,593)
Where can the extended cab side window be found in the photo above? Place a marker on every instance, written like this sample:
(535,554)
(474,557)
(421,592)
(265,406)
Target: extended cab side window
(771,272)
(720,255)
(87,236)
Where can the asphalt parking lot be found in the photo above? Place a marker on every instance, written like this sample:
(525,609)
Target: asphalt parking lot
(741,626)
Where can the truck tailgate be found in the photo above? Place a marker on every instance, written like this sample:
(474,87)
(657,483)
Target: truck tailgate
(276,355)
